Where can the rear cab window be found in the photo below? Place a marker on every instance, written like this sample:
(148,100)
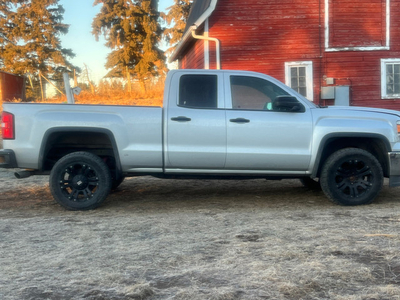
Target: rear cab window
(198,91)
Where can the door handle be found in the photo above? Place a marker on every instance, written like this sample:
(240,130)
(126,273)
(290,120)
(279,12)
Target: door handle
(181,119)
(240,120)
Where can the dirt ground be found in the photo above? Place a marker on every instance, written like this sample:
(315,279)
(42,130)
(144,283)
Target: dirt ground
(192,239)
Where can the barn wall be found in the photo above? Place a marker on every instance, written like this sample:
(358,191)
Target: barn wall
(194,56)
(355,24)
(259,36)
(362,69)
(262,35)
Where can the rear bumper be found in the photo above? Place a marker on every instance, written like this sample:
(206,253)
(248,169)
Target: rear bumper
(7,159)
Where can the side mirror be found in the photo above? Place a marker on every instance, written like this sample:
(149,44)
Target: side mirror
(286,103)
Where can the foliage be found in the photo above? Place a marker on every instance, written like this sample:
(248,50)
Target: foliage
(177,16)
(132,31)
(30,38)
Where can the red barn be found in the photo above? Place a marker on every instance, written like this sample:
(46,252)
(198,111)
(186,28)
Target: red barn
(331,51)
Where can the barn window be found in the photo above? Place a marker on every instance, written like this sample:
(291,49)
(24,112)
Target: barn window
(198,91)
(299,76)
(390,78)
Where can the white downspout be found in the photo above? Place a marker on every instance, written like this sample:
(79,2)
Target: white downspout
(206,47)
(217,45)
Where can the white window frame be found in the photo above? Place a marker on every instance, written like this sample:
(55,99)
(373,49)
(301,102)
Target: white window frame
(368,48)
(309,76)
(384,63)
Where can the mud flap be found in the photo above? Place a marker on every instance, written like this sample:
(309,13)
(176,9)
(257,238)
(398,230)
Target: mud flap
(394,176)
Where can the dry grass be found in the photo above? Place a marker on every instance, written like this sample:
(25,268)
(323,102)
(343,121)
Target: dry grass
(160,239)
(119,99)
(113,95)
(107,99)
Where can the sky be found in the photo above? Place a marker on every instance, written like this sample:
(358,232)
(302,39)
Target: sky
(79,15)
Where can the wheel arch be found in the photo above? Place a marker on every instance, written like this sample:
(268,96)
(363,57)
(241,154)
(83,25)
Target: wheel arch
(377,144)
(99,141)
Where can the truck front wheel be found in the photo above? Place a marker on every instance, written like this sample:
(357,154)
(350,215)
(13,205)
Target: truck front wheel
(80,181)
(351,176)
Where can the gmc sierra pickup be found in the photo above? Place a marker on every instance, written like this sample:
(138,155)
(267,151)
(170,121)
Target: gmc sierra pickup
(213,124)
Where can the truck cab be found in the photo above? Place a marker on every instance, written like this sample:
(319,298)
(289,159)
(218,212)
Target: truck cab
(235,123)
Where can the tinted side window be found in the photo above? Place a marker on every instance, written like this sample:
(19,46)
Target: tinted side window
(253,93)
(198,91)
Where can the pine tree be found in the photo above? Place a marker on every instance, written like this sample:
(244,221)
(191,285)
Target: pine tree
(177,16)
(30,38)
(132,32)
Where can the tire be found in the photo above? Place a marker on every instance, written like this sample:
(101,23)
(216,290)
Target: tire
(80,181)
(351,176)
(310,183)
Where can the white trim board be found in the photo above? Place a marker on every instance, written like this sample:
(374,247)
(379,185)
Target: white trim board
(368,48)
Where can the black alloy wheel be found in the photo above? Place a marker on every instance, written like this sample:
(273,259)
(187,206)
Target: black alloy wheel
(80,181)
(351,176)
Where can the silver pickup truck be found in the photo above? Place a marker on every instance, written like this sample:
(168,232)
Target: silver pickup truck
(213,124)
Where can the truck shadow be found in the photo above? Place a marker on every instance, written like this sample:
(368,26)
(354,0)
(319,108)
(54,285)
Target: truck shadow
(144,194)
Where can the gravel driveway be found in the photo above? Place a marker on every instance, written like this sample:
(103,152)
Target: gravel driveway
(192,239)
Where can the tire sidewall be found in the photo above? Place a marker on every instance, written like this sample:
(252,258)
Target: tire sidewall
(328,174)
(99,167)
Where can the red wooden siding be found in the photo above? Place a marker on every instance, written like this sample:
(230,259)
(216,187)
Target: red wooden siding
(357,23)
(361,70)
(194,57)
(262,35)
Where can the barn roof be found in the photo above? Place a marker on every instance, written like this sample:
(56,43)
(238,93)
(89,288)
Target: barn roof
(198,8)
(200,11)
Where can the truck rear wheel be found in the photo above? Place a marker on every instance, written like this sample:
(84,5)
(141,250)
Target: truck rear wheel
(80,181)
(351,176)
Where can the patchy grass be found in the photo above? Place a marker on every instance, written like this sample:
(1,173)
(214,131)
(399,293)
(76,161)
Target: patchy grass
(192,239)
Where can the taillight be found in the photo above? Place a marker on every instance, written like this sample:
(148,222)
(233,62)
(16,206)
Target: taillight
(7,126)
